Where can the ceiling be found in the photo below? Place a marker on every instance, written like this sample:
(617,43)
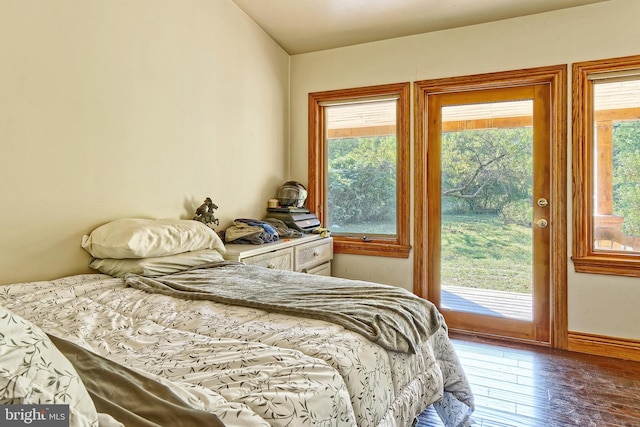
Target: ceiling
(301,26)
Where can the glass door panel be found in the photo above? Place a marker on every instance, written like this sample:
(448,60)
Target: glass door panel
(490,199)
(486,218)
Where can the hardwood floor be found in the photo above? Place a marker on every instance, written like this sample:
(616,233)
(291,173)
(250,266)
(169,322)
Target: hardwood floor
(529,386)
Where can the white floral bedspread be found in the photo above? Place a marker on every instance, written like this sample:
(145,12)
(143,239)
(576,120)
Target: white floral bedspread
(249,367)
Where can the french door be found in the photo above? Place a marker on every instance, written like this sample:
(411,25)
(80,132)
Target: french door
(492,209)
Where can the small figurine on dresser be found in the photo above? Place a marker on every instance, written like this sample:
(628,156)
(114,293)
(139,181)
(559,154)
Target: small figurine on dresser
(205,213)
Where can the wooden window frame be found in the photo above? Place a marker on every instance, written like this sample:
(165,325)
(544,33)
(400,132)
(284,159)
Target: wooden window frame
(585,258)
(398,246)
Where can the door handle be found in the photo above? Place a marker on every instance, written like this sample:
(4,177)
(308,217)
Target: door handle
(542,223)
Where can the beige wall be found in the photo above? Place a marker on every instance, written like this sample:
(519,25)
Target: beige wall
(598,304)
(114,108)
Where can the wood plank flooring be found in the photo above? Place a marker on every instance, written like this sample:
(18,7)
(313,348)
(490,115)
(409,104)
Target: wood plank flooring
(528,386)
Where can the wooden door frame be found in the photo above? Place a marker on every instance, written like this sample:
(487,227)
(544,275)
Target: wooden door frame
(556,78)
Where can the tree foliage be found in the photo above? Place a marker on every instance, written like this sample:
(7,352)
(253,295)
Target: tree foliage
(626,174)
(362,180)
(485,170)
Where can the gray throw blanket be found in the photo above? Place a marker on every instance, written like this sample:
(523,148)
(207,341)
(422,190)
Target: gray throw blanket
(390,316)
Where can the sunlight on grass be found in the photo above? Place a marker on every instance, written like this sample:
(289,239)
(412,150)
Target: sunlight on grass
(480,251)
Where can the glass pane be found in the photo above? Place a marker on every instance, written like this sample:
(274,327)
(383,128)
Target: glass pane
(362,167)
(487,208)
(616,176)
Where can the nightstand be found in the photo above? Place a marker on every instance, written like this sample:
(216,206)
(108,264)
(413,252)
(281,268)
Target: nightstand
(310,253)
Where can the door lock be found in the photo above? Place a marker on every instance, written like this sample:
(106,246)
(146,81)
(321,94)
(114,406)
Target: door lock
(542,223)
(542,202)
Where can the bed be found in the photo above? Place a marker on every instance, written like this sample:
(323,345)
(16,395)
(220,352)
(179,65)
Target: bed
(177,334)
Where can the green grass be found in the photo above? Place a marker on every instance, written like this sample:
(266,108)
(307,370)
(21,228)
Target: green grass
(479,251)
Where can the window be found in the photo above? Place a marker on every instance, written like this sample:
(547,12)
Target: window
(359,168)
(606,140)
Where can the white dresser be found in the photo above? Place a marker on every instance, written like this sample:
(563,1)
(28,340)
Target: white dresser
(310,253)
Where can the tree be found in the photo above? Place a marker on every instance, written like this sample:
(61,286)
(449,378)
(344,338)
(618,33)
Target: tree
(362,180)
(483,170)
(626,174)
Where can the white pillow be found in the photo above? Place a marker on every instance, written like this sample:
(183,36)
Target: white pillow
(146,238)
(33,371)
(156,266)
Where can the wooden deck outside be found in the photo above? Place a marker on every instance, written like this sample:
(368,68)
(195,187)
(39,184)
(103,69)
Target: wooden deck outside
(489,302)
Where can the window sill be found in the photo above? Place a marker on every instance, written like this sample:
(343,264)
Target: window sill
(374,247)
(614,265)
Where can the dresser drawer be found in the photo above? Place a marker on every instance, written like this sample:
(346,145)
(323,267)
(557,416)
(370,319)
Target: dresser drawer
(312,254)
(281,259)
(321,270)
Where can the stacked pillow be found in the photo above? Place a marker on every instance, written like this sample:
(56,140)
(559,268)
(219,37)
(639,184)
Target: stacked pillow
(151,247)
